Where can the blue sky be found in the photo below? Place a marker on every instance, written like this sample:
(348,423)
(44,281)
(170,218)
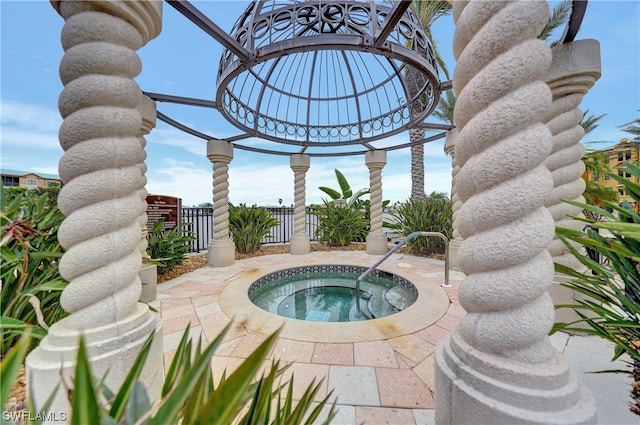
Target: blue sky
(183,61)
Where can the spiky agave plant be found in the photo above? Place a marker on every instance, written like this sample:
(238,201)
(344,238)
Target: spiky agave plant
(189,394)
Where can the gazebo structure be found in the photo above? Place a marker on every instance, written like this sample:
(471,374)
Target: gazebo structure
(325,79)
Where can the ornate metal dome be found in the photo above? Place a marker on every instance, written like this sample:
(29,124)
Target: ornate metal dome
(319,73)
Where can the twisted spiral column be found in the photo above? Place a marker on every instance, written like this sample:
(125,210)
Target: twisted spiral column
(148,273)
(454,244)
(417,164)
(376,240)
(221,247)
(101,198)
(147,109)
(575,67)
(300,242)
(499,359)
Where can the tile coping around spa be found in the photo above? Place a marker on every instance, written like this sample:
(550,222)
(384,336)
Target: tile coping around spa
(432,303)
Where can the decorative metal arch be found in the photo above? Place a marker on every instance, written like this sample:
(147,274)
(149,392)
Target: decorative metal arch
(274,42)
(339,73)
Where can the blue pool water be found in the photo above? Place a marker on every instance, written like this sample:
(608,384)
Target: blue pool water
(318,295)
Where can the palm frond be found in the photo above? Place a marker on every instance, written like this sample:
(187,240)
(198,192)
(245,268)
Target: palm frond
(590,123)
(559,17)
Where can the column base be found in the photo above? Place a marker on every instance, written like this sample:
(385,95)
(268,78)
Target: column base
(148,275)
(454,244)
(222,253)
(377,244)
(112,348)
(473,387)
(300,244)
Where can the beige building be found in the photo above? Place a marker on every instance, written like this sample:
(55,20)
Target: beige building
(28,179)
(617,155)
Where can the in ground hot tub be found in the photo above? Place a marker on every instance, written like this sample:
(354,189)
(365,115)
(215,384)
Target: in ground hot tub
(327,293)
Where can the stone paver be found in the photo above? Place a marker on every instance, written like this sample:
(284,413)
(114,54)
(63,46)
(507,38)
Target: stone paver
(402,388)
(383,380)
(335,354)
(355,385)
(293,351)
(374,353)
(384,415)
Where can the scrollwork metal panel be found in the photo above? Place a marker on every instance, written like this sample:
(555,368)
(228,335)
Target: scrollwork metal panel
(315,75)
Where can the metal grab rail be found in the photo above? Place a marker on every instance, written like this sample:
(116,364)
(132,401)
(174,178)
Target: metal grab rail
(398,246)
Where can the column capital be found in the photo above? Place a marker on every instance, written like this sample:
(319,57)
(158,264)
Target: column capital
(147,109)
(450,141)
(300,162)
(219,151)
(375,159)
(570,64)
(145,16)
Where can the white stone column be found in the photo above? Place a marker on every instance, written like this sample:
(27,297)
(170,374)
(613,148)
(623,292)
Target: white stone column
(101,200)
(148,272)
(300,242)
(575,67)
(376,239)
(222,251)
(454,244)
(498,366)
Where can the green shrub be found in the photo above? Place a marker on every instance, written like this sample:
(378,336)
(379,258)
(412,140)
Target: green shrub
(340,225)
(610,306)
(345,192)
(13,192)
(30,253)
(168,247)
(248,226)
(9,194)
(189,394)
(432,214)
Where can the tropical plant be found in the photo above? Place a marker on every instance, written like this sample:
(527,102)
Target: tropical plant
(446,106)
(428,11)
(31,281)
(339,225)
(610,304)
(590,122)
(168,247)
(249,225)
(345,191)
(432,214)
(597,166)
(189,394)
(11,193)
(559,16)
(633,128)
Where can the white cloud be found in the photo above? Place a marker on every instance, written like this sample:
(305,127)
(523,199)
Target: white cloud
(169,136)
(26,139)
(27,116)
(263,182)
(179,179)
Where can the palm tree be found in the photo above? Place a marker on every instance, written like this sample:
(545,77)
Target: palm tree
(428,11)
(589,123)
(632,127)
(597,165)
(446,106)
(559,17)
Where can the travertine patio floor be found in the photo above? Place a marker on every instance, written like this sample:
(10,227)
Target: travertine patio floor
(381,371)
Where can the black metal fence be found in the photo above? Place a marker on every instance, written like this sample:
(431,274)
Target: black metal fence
(199,220)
